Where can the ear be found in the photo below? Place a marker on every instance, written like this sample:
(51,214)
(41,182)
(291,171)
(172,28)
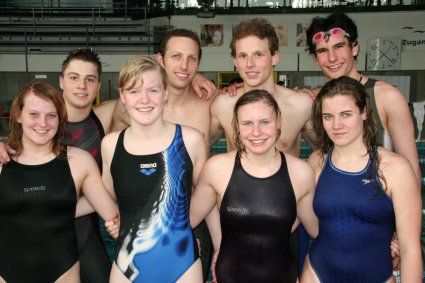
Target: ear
(61,82)
(122,95)
(166,94)
(364,115)
(160,59)
(275,58)
(355,49)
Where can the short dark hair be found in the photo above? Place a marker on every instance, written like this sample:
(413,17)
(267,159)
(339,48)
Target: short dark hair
(86,55)
(180,33)
(334,20)
(260,28)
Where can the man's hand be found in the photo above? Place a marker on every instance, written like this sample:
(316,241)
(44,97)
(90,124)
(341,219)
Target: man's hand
(203,87)
(213,264)
(232,89)
(395,252)
(5,152)
(113,227)
(308,91)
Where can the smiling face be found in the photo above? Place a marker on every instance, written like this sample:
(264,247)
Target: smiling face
(258,127)
(80,84)
(254,61)
(144,101)
(336,57)
(181,61)
(39,120)
(342,120)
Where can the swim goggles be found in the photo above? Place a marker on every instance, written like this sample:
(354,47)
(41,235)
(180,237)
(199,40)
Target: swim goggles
(322,35)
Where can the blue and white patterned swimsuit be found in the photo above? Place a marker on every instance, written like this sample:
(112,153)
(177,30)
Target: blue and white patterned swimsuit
(156,242)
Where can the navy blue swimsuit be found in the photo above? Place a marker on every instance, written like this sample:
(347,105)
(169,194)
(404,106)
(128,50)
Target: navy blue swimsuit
(356,225)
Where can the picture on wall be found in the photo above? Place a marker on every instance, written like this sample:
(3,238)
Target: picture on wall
(301,39)
(282,34)
(211,35)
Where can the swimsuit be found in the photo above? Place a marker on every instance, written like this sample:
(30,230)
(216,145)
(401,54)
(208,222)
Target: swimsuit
(257,215)
(95,265)
(37,211)
(155,242)
(356,224)
(383,137)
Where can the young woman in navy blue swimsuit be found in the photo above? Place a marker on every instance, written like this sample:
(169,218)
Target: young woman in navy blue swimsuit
(364,194)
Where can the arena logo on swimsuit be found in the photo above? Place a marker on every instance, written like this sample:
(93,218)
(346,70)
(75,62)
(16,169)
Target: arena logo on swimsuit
(148,168)
(35,189)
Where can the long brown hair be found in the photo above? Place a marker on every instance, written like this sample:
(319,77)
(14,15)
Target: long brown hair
(48,93)
(352,88)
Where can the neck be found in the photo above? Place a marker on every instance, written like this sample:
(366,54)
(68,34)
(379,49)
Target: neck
(261,160)
(35,154)
(77,114)
(270,87)
(356,75)
(177,96)
(152,131)
(355,150)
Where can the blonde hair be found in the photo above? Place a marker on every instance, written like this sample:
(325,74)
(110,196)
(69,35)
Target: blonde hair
(134,67)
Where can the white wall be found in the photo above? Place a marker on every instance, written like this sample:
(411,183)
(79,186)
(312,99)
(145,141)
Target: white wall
(293,58)
(385,24)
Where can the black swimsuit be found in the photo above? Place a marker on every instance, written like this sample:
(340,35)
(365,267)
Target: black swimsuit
(257,215)
(37,210)
(95,265)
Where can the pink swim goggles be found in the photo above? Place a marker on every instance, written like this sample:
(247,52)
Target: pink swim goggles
(321,35)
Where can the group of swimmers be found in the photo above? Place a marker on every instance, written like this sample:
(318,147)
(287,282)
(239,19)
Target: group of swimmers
(157,184)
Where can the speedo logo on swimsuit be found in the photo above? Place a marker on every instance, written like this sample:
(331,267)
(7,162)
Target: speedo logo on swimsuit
(35,189)
(367,181)
(239,210)
(148,168)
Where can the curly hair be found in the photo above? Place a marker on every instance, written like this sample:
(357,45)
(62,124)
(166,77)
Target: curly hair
(334,20)
(253,96)
(48,93)
(347,86)
(260,28)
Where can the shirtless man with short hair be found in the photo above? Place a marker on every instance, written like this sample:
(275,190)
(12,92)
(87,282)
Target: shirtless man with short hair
(255,52)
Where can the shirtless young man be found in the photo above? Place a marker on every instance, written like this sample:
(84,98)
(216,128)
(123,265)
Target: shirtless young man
(255,50)
(333,43)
